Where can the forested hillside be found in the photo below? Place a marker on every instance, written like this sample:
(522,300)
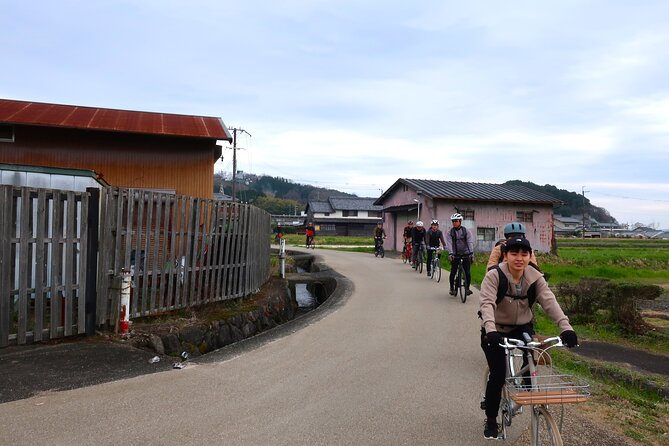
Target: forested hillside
(573,202)
(274,194)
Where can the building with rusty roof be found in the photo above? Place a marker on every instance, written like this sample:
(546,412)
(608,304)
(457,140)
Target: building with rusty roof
(486,208)
(159,151)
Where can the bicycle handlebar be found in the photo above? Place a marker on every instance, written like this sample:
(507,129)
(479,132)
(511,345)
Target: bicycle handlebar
(555,341)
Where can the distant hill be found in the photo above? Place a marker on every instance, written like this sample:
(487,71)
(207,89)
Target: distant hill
(573,202)
(274,194)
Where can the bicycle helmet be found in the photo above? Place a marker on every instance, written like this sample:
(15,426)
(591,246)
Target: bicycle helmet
(435,222)
(514,228)
(419,224)
(456,216)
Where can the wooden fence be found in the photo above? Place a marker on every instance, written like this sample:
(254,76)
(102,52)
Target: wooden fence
(182,252)
(42,263)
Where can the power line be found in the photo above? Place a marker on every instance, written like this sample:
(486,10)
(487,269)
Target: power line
(630,198)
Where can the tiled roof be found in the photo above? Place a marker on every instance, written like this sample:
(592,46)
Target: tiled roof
(320,206)
(91,118)
(455,190)
(354,204)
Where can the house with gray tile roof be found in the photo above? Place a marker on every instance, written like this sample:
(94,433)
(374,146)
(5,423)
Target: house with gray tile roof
(486,208)
(356,216)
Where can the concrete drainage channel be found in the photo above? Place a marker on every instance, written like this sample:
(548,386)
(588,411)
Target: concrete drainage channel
(312,290)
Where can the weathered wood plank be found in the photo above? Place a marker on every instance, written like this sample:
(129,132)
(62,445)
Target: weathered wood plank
(166,260)
(40,262)
(68,297)
(56,263)
(155,266)
(138,265)
(146,229)
(24,263)
(83,262)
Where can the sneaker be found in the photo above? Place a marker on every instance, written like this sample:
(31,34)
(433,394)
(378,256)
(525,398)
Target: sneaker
(452,292)
(429,274)
(469,292)
(491,431)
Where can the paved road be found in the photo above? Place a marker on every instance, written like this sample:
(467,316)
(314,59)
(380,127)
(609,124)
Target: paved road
(396,362)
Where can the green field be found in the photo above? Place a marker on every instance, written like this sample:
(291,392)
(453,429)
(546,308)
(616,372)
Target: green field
(623,260)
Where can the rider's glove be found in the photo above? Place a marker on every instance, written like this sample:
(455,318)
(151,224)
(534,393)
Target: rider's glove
(494,338)
(471,259)
(451,258)
(569,338)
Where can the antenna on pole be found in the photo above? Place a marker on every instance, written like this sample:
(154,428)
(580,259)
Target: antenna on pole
(234,160)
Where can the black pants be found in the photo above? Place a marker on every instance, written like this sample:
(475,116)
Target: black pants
(466,264)
(496,358)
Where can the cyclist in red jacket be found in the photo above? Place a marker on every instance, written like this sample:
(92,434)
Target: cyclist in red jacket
(311,233)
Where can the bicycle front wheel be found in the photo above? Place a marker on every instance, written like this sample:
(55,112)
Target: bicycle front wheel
(405,257)
(382,251)
(436,270)
(544,428)
(419,262)
(460,284)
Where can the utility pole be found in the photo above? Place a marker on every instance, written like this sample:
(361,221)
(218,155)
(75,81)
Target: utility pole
(234,161)
(583,191)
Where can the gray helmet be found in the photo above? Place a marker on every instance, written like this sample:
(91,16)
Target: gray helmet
(514,228)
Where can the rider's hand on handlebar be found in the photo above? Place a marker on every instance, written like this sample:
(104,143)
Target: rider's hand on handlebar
(451,257)
(569,338)
(494,338)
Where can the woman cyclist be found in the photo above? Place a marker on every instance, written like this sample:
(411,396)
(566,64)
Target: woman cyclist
(511,316)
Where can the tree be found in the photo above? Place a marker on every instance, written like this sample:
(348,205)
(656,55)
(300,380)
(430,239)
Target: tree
(277,206)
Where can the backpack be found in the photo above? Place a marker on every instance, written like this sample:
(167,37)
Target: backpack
(451,232)
(503,287)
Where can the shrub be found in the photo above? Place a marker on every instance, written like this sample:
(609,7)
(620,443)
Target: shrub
(585,299)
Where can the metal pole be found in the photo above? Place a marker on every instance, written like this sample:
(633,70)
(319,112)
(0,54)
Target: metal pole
(282,257)
(234,164)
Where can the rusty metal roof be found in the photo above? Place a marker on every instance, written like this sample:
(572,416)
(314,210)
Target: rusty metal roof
(455,190)
(91,118)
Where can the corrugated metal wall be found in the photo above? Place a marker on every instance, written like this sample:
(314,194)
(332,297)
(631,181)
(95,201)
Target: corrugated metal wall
(184,165)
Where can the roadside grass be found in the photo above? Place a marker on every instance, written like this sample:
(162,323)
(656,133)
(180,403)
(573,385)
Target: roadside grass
(623,398)
(328,240)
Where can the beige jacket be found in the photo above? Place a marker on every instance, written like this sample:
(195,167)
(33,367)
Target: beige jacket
(496,256)
(511,312)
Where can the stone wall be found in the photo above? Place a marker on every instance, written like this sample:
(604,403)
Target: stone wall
(197,339)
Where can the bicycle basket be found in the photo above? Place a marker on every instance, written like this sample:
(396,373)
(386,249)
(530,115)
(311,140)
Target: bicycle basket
(548,389)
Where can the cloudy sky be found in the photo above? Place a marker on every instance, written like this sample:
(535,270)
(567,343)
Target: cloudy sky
(356,94)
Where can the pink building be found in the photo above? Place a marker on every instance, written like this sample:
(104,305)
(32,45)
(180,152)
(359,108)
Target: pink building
(486,208)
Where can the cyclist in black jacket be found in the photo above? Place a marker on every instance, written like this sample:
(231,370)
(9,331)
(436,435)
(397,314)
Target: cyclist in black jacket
(417,240)
(434,236)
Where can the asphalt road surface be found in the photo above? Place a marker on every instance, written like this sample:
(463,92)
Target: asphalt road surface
(396,362)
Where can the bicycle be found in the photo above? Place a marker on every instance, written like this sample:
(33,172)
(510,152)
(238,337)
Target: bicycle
(420,258)
(436,264)
(406,252)
(525,386)
(460,279)
(378,247)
